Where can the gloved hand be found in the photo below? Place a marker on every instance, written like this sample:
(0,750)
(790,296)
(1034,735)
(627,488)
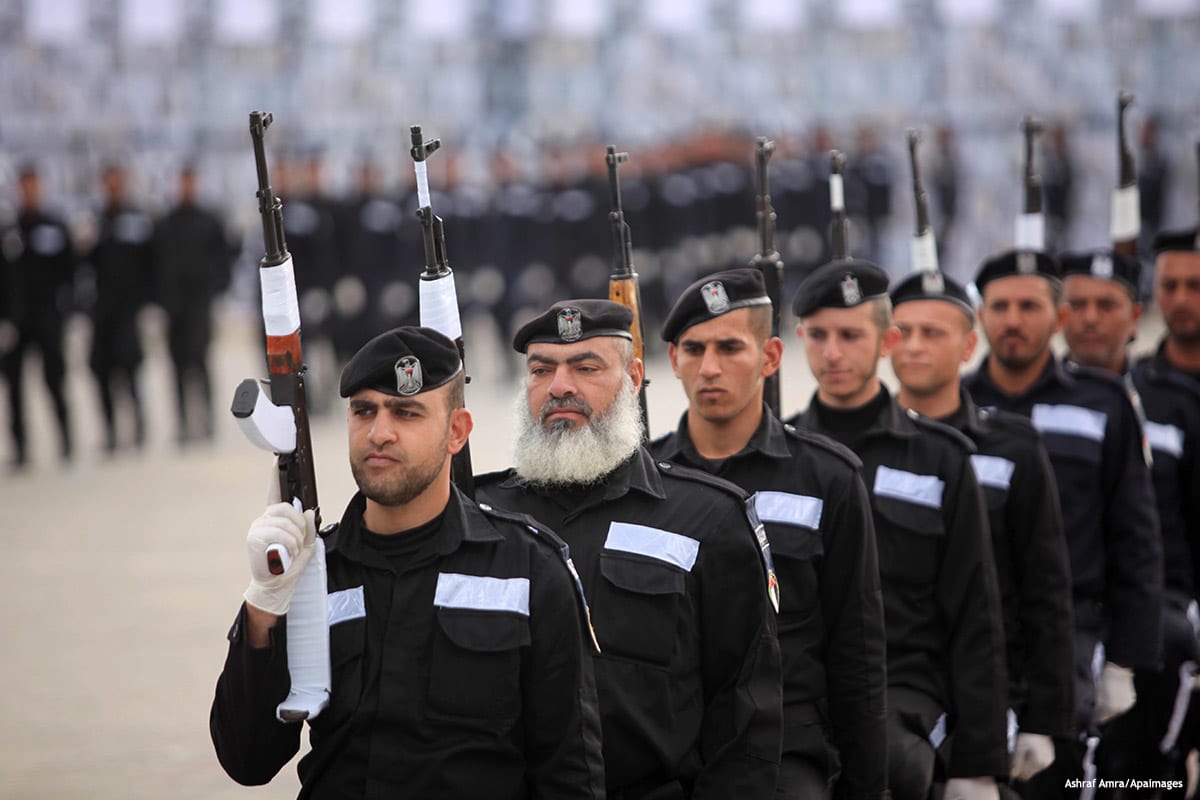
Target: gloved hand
(1115,694)
(1033,753)
(284,525)
(971,789)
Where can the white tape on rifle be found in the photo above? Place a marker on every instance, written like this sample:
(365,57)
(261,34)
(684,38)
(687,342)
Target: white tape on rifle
(1126,219)
(923,252)
(1031,232)
(439,307)
(837,197)
(308,640)
(281,311)
(422,184)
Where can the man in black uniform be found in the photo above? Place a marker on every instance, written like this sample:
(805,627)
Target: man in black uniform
(41,272)
(1094,441)
(1177,292)
(688,669)
(809,495)
(193,258)
(945,645)
(1101,291)
(459,645)
(937,336)
(123,263)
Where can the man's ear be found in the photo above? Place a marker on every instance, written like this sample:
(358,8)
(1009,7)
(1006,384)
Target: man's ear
(461,425)
(637,371)
(972,343)
(772,356)
(672,352)
(891,338)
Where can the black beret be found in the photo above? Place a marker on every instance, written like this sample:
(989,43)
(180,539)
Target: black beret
(1017,262)
(845,283)
(931,285)
(402,362)
(1177,241)
(714,295)
(572,320)
(1106,264)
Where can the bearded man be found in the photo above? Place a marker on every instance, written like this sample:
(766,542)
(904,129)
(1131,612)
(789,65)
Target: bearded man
(688,672)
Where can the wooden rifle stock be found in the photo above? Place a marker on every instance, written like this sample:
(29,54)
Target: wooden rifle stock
(623,285)
(768,260)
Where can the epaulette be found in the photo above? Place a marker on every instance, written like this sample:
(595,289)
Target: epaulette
(653,442)
(493,477)
(551,539)
(1148,368)
(825,443)
(329,534)
(1110,379)
(958,437)
(700,476)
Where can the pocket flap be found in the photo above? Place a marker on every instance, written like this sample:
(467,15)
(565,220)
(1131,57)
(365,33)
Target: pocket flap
(910,516)
(643,576)
(790,541)
(484,631)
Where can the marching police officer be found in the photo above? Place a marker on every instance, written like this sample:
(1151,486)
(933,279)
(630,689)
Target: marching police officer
(193,259)
(808,492)
(123,262)
(945,647)
(41,265)
(937,335)
(1094,442)
(688,668)
(1101,291)
(457,635)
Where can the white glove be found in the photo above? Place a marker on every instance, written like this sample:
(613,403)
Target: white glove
(1115,694)
(1033,753)
(280,524)
(971,789)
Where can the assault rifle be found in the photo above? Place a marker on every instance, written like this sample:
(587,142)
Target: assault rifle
(768,260)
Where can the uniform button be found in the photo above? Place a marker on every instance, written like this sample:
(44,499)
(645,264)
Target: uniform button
(664,465)
(789,428)
(911,413)
(485,507)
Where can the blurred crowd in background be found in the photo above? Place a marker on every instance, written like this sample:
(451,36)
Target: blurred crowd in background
(126,176)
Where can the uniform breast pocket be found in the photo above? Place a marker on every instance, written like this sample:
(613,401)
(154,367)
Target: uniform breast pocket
(910,538)
(795,550)
(637,607)
(347,638)
(1076,462)
(475,667)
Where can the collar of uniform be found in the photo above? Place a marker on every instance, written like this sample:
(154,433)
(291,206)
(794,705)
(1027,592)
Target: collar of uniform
(1053,372)
(461,522)
(769,438)
(967,418)
(892,422)
(638,472)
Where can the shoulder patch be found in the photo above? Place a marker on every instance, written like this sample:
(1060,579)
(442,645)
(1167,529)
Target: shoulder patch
(825,443)
(925,423)
(484,478)
(673,470)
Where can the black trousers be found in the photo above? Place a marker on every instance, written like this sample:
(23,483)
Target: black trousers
(912,716)
(47,338)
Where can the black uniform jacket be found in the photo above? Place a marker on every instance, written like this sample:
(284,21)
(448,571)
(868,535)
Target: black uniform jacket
(941,601)
(688,669)
(123,262)
(473,692)
(1030,547)
(1171,400)
(41,265)
(1094,441)
(808,493)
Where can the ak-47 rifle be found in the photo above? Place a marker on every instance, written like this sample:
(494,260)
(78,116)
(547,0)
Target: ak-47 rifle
(438,296)
(279,423)
(768,260)
(840,235)
(1031,224)
(923,248)
(623,283)
(1125,222)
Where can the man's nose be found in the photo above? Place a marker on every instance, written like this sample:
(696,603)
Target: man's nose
(563,384)
(710,365)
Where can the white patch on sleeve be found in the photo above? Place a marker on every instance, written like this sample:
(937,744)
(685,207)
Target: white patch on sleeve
(1165,438)
(346,605)
(789,509)
(993,471)
(672,548)
(481,593)
(1069,420)
(924,490)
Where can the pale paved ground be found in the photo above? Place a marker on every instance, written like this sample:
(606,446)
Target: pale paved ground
(119,579)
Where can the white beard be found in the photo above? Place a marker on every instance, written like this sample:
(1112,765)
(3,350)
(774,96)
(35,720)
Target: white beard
(561,456)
